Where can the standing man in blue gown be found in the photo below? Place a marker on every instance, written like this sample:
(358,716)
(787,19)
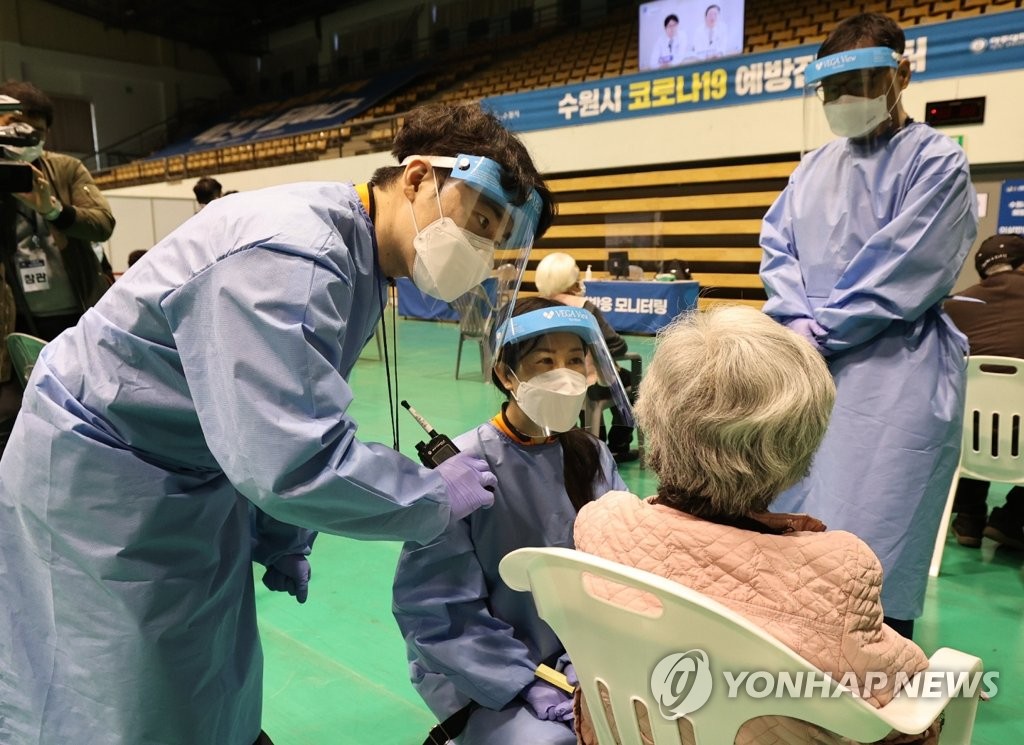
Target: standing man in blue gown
(859,251)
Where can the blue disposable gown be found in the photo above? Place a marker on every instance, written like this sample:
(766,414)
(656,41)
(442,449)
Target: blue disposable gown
(214,372)
(859,251)
(468,636)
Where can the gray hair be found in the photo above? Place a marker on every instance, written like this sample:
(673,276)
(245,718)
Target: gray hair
(733,406)
(556,273)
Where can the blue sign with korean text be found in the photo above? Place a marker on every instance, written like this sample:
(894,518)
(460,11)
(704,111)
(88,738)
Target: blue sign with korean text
(1011,208)
(642,307)
(971,46)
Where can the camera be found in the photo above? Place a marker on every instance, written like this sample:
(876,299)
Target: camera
(15,176)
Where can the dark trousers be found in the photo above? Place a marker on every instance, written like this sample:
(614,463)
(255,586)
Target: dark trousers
(971,497)
(901,627)
(620,435)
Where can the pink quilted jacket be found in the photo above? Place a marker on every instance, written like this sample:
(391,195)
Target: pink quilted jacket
(816,592)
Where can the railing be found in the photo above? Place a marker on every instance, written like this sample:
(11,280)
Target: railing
(369,135)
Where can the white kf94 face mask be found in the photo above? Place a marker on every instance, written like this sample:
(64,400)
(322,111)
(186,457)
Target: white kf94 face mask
(553,400)
(450,260)
(854,116)
(25,153)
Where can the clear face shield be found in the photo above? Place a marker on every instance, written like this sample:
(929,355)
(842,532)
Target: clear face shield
(554,324)
(850,94)
(479,223)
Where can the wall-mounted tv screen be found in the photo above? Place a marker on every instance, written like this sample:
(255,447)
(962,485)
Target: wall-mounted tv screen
(681,32)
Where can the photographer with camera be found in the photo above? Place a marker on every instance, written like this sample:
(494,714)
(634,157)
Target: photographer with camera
(51,273)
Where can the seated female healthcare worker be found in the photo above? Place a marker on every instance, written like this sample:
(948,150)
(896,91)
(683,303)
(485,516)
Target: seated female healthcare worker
(473,642)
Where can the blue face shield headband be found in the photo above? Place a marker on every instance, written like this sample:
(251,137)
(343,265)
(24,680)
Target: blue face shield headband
(549,321)
(483,176)
(574,321)
(850,61)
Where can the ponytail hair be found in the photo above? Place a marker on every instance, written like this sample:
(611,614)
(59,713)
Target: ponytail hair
(581,465)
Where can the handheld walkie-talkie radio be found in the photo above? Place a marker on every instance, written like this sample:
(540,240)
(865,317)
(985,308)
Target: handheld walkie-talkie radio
(440,447)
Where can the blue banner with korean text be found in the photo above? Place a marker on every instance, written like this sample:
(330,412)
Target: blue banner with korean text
(317,111)
(971,46)
(642,307)
(1011,208)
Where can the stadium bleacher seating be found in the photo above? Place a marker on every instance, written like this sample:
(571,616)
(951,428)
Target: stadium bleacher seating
(706,215)
(572,56)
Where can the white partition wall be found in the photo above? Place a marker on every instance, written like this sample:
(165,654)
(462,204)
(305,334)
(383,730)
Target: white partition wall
(142,222)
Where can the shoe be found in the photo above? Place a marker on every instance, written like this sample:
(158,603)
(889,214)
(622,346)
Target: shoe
(968,528)
(626,456)
(1005,528)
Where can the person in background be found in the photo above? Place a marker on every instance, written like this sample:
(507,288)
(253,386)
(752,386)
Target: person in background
(473,644)
(51,274)
(558,278)
(211,378)
(710,40)
(134,256)
(206,190)
(990,314)
(859,251)
(734,407)
(668,51)
(52,269)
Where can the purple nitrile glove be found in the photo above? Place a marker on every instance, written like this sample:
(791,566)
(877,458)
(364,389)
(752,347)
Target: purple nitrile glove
(289,574)
(566,668)
(570,674)
(810,330)
(466,479)
(548,702)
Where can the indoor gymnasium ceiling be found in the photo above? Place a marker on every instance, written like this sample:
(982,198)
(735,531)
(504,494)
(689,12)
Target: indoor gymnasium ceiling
(215,25)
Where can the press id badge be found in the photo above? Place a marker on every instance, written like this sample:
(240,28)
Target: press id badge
(34,271)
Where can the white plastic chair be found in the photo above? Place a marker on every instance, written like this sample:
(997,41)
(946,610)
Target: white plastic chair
(620,648)
(24,350)
(991,445)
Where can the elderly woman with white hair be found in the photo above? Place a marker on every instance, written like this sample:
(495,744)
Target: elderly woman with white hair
(558,278)
(733,407)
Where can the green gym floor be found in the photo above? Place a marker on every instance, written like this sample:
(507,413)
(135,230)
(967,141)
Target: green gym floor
(335,667)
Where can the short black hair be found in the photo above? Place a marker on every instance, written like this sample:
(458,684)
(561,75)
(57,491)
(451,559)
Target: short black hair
(206,190)
(669,18)
(450,130)
(708,9)
(33,101)
(879,30)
